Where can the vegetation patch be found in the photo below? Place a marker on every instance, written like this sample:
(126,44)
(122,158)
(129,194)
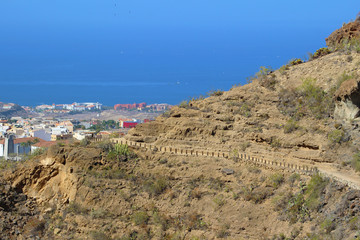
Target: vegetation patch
(336,136)
(321,52)
(140,218)
(295,61)
(314,190)
(216,93)
(291,126)
(355,163)
(309,99)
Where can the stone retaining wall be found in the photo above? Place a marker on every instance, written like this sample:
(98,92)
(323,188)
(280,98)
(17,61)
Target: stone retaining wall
(261,162)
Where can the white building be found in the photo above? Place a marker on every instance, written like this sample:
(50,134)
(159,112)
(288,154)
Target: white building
(60,130)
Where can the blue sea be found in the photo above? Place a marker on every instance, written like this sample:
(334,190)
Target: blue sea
(40,66)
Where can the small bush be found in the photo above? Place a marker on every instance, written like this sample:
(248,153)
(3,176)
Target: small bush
(194,221)
(283,69)
(336,136)
(184,104)
(276,180)
(281,201)
(122,149)
(321,52)
(96,235)
(261,75)
(275,143)
(293,178)
(219,201)
(223,231)
(291,125)
(216,93)
(161,220)
(314,190)
(354,223)
(140,218)
(244,146)
(245,110)
(297,210)
(157,186)
(295,61)
(85,142)
(355,163)
(269,82)
(216,184)
(327,225)
(315,99)
(38,152)
(76,209)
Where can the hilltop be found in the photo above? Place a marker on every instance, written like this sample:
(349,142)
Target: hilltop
(8,110)
(211,168)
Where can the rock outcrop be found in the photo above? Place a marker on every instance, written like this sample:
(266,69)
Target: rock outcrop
(347,105)
(347,33)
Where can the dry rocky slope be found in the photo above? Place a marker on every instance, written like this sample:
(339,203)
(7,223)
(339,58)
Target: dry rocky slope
(304,113)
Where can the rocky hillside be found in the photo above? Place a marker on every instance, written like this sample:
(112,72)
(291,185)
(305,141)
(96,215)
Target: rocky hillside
(303,113)
(98,192)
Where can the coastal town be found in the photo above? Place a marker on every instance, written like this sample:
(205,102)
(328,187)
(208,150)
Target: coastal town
(23,135)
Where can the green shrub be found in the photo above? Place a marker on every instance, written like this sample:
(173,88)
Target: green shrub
(276,180)
(38,152)
(342,78)
(184,104)
(291,125)
(156,186)
(354,223)
(223,231)
(336,136)
(355,163)
(315,99)
(140,218)
(216,92)
(76,209)
(245,110)
(122,149)
(96,235)
(307,99)
(216,184)
(84,142)
(281,201)
(297,209)
(321,52)
(294,177)
(314,190)
(244,146)
(327,225)
(219,201)
(295,61)
(283,69)
(275,143)
(261,75)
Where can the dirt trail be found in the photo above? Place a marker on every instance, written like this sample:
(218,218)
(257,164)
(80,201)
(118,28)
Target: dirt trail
(350,178)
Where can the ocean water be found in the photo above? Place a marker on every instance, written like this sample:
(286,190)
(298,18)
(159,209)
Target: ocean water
(142,65)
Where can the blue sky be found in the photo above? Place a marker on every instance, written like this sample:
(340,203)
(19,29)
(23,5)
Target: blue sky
(154,51)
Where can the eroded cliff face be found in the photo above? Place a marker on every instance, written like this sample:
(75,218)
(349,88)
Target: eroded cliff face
(347,97)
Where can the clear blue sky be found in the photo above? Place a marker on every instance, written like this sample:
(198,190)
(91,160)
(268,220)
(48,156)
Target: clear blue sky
(155,51)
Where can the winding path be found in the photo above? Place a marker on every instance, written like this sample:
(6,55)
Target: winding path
(326,169)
